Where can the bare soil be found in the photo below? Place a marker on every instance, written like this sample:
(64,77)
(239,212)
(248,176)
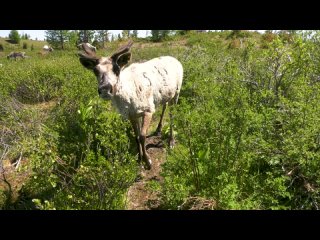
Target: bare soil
(139,197)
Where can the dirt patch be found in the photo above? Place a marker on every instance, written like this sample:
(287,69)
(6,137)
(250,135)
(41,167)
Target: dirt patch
(12,177)
(198,203)
(139,197)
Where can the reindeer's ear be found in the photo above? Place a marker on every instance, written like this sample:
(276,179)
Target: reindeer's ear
(123,59)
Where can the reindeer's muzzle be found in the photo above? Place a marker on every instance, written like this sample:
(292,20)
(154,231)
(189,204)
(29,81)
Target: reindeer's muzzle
(105,91)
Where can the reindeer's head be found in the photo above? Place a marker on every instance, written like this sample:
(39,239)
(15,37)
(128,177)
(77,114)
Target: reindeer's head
(106,69)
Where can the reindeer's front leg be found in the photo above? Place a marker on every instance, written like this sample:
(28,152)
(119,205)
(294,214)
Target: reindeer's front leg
(136,128)
(143,133)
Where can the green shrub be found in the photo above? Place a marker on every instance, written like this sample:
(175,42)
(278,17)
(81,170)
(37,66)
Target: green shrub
(237,125)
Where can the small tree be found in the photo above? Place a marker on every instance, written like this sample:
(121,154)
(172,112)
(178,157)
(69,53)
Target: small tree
(57,38)
(134,33)
(25,36)
(102,37)
(158,35)
(25,45)
(14,36)
(125,34)
(73,38)
(155,35)
(32,47)
(1,47)
(86,36)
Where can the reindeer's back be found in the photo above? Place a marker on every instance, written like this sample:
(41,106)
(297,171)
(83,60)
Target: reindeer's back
(164,75)
(146,85)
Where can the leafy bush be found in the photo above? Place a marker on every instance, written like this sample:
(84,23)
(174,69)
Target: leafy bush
(90,168)
(237,125)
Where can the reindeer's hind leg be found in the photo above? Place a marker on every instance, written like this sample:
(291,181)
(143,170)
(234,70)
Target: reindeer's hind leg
(172,142)
(159,128)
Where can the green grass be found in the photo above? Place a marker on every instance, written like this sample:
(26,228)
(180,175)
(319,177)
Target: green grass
(9,47)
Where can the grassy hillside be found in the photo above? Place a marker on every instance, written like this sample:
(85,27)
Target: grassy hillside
(9,47)
(246,126)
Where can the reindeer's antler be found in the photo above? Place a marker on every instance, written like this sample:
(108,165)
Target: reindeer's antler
(87,52)
(122,50)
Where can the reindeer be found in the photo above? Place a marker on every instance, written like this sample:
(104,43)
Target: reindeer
(46,48)
(136,90)
(15,55)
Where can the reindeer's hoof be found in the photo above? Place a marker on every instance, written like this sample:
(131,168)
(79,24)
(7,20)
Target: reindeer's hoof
(148,164)
(172,143)
(157,133)
(138,178)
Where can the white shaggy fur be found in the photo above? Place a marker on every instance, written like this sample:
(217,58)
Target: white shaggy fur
(144,86)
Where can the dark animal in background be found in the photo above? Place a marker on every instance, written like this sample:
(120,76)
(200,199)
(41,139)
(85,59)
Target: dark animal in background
(16,55)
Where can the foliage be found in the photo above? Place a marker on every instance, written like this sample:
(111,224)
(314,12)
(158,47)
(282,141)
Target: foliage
(57,38)
(73,38)
(247,129)
(134,33)
(25,36)
(238,34)
(159,35)
(102,37)
(267,37)
(14,36)
(125,34)
(86,36)
(90,168)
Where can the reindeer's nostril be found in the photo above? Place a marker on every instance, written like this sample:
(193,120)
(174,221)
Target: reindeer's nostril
(105,89)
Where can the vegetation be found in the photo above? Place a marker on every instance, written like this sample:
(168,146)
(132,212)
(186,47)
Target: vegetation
(101,38)
(57,38)
(159,35)
(14,36)
(247,126)
(86,35)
